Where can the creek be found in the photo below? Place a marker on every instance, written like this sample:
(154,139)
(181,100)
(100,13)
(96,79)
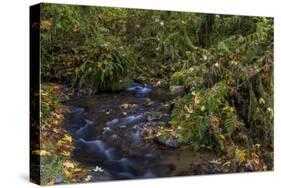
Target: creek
(107,132)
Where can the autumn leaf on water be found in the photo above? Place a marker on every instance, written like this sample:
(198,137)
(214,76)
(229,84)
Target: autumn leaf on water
(98,169)
(88,178)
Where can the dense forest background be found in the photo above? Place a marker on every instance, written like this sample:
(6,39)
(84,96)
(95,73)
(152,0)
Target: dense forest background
(222,63)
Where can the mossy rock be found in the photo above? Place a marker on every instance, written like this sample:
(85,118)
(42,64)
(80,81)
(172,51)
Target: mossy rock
(191,78)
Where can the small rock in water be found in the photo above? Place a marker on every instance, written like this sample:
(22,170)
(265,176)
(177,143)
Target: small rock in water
(136,135)
(172,142)
(148,102)
(89,122)
(112,122)
(125,106)
(149,175)
(177,90)
(114,137)
(132,119)
(151,156)
(122,126)
(106,129)
(77,110)
(139,89)
(153,117)
(86,130)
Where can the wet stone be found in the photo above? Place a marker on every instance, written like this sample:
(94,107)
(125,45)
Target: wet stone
(177,90)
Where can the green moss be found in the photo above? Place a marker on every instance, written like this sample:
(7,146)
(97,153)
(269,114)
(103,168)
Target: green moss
(191,78)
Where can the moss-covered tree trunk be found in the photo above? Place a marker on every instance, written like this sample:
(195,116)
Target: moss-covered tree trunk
(205,30)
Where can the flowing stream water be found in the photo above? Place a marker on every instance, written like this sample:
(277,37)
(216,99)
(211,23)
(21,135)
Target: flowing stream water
(106,129)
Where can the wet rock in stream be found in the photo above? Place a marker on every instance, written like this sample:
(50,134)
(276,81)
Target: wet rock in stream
(140,90)
(85,131)
(177,90)
(128,120)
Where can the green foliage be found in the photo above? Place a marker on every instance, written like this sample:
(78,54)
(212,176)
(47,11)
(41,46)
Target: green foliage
(108,68)
(52,169)
(50,100)
(206,119)
(243,65)
(225,62)
(191,78)
(82,51)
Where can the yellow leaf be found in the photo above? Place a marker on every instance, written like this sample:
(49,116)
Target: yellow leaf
(68,164)
(270,112)
(77,169)
(45,24)
(61,143)
(88,178)
(205,57)
(202,108)
(241,155)
(67,138)
(222,136)
(41,152)
(68,173)
(158,83)
(226,164)
(216,161)
(197,98)
(55,122)
(66,153)
(188,109)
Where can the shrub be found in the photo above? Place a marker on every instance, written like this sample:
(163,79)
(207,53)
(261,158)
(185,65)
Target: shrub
(108,67)
(191,78)
(205,118)
(242,64)
(78,49)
